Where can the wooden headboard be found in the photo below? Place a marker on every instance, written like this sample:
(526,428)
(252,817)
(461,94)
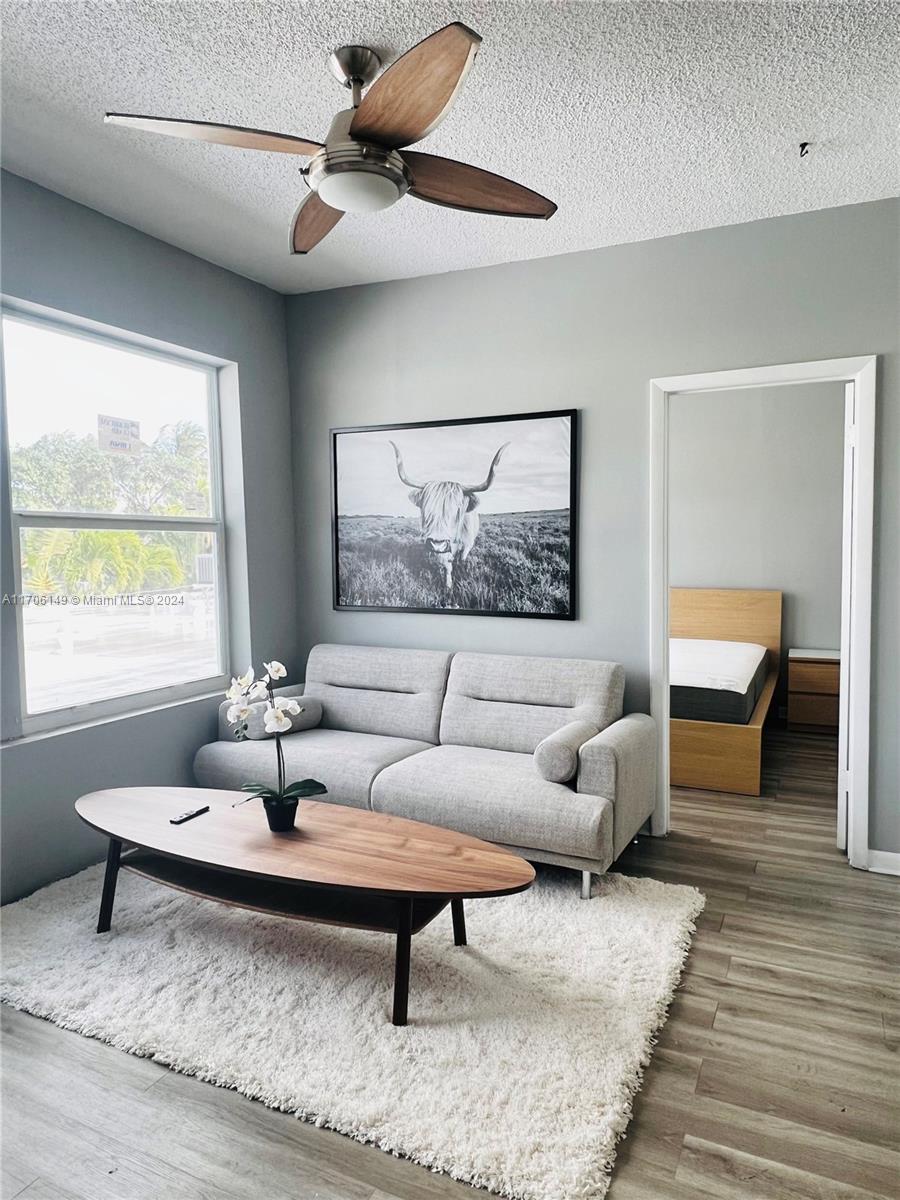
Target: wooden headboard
(728,615)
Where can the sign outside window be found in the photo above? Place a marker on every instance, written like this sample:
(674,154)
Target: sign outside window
(118,435)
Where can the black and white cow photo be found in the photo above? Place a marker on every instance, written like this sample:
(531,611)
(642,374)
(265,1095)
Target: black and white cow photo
(462,516)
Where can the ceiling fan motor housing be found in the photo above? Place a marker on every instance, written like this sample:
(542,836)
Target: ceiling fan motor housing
(356,176)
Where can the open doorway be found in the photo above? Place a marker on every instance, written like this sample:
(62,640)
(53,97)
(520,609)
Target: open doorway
(761,591)
(755,529)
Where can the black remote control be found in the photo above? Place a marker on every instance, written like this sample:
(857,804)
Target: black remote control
(186,816)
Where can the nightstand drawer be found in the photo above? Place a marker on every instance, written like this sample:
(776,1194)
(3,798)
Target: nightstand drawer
(822,677)
(812,710)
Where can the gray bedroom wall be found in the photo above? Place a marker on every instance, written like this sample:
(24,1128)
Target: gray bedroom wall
(755,500)
(589,330)
(70,258)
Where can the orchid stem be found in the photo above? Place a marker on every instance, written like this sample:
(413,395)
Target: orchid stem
(279,753)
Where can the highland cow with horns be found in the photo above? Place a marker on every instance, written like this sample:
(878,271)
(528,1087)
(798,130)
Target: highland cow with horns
(447,510)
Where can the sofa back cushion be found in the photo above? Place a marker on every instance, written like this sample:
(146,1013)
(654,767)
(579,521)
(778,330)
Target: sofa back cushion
(504,702)
(375,689)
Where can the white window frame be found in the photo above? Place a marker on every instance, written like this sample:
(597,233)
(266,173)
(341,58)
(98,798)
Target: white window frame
(23,722)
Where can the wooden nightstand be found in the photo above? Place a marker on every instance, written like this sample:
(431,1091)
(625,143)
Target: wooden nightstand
(814,685)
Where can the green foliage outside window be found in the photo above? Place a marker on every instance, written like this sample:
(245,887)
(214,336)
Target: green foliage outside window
(61,472)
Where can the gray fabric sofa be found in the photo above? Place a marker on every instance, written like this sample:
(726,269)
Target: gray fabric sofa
(530,753)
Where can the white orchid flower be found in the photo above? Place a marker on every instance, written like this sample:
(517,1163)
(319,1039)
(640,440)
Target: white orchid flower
(259,690)
(286,705)
(237,712)
(276,669)
(239,686)
(277,721)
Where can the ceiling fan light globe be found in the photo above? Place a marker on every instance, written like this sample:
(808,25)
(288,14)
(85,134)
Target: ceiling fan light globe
(358,191)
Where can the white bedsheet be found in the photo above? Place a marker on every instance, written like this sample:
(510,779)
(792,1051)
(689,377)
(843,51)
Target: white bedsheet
(724,666)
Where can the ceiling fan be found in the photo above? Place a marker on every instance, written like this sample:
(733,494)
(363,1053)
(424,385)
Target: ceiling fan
(359,168)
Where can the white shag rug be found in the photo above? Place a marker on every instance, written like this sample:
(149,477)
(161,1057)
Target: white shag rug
(516,1072)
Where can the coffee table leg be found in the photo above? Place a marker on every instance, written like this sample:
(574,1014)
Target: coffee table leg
(401,963)
(109,885)
(459,923)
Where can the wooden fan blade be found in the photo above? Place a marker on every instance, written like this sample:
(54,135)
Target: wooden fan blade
(459,185)
(416,93)
(209,131)
(312,221)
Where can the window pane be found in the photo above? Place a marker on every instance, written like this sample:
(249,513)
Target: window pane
(94,427)
(110,612)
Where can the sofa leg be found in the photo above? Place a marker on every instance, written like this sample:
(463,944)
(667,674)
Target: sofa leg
(585,885)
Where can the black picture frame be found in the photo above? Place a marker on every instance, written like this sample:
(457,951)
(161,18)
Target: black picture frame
(548,414)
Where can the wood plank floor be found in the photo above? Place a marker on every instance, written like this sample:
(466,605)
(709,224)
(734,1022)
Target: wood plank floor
(775,1077)
(777,1072)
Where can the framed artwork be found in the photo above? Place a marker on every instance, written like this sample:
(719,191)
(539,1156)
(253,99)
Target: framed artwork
(469,516)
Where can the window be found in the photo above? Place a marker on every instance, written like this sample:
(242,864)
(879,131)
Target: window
(116,522)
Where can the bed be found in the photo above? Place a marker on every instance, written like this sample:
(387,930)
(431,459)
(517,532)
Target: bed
(725,651)
(712,680)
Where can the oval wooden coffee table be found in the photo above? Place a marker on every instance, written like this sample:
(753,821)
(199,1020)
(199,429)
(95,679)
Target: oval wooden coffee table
(340,866)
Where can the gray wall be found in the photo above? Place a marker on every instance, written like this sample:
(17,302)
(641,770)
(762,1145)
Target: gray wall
(71,258)
(755,500)
(590,330)
(41,778)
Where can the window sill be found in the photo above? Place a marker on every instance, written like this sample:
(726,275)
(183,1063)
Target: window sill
(110,719)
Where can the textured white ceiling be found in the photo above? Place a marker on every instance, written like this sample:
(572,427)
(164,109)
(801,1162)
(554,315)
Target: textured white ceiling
(639,119)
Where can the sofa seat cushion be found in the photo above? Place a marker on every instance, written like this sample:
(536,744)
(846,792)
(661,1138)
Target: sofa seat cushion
(499,796)
(345,762)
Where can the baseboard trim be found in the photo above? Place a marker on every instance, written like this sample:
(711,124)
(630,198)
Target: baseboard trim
(886,862)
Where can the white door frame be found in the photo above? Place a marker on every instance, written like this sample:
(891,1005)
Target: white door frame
(856,601)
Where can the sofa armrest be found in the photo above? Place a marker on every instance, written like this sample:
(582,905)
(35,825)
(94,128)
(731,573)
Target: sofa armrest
(556,757)
(619,763)
(226,731)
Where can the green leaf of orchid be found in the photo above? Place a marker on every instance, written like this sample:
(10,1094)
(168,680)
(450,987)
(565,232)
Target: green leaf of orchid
(306,787)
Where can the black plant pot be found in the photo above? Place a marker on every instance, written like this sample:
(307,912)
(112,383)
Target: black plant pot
(281,816)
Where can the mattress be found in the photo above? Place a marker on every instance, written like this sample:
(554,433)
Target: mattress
(715,681)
